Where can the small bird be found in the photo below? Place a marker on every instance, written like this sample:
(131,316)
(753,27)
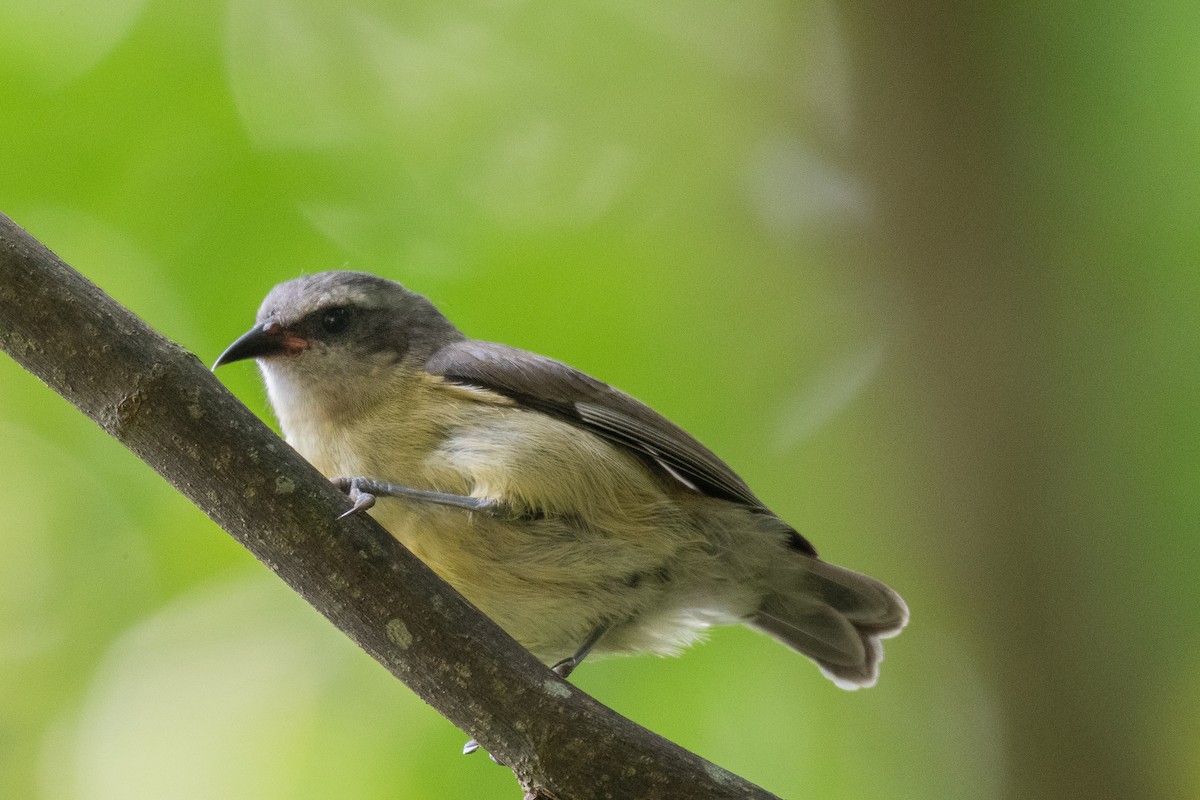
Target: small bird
(577,518)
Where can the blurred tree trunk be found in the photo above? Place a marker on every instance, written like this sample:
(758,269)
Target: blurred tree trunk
(960,144)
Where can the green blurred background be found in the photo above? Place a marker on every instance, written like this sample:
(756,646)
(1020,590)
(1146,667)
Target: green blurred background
(927,277)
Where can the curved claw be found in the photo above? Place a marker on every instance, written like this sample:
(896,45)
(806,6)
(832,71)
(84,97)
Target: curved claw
(565,667)
(472,746)
(361,500)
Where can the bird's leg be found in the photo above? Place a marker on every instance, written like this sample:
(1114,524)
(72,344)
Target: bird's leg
(562,668)
(363,491)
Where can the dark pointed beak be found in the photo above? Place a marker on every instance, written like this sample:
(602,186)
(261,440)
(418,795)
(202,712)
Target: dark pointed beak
(263,341)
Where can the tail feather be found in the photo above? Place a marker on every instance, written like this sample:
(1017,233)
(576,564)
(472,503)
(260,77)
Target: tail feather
(834,616)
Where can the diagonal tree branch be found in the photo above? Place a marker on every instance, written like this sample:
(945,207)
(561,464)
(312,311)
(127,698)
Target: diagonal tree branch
(163,404)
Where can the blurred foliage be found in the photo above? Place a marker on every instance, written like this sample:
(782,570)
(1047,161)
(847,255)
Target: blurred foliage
(927,278)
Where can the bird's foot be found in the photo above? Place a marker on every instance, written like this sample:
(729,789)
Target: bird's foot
(354,489)
(564,668)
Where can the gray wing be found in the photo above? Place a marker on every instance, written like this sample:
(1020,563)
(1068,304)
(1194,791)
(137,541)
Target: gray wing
(553,388)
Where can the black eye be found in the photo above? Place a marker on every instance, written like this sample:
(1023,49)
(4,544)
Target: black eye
(335,320)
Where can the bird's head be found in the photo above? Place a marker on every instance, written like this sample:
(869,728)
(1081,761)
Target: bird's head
(337,338)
